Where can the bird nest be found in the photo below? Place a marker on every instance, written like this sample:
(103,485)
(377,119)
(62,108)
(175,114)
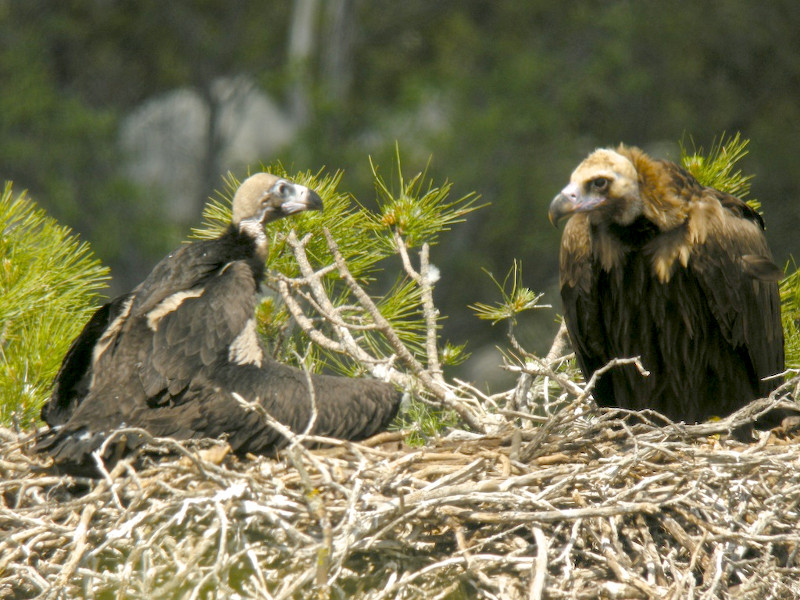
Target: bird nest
(577,504)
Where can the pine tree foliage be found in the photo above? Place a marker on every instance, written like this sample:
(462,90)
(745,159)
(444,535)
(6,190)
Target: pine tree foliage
(49,280)
(416,212)
(716,167)
(514,301)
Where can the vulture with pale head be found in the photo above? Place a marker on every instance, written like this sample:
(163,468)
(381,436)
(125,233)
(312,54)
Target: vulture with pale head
(169,356)
(654,264)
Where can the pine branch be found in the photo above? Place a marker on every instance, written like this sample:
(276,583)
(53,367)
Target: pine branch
(715,168)
(49,281)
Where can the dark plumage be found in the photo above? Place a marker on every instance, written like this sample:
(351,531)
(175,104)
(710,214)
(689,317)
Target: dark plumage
(168,356)
(653,264)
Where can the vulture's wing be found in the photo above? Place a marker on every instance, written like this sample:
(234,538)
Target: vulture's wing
(186,268)
(734,269)
(154,360)
(346,408)
(194,328)
(73,379)
(178,271)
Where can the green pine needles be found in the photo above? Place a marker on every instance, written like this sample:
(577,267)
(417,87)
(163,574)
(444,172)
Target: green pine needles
(790,314)
(514,301)
(49,281)
(716,168)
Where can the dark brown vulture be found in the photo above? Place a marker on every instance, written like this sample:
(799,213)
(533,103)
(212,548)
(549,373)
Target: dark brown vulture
(168,356)
(655,265)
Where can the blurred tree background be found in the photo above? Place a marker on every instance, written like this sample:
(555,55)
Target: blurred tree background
(121,116)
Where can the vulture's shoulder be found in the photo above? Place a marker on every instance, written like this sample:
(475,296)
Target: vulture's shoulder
(727,231)
(686,187)
(711,229)
(738,209)
(185,268)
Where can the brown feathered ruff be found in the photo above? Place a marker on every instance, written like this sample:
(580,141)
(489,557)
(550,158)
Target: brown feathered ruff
(655,265)
(172,355)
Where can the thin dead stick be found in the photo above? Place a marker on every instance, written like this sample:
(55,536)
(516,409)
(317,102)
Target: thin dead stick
(383,324)
(306,324)
(539,567)
(346,343)
(315,284)
(560,342)
(615,362)
(537,366)
(551,516)
(312,398)
(79,547)
(424,280)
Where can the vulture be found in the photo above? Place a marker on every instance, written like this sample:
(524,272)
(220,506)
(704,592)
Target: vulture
(172,355)
(655,265)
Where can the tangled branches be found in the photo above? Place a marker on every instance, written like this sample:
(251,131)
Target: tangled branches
(601,508)
(428,378)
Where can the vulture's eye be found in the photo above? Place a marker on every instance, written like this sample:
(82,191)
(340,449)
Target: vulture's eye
(600,184)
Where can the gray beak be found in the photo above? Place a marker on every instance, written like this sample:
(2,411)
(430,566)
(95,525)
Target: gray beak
(299,198)
(571,201)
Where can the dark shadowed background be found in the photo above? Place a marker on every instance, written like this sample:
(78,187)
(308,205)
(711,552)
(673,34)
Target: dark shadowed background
(120,116)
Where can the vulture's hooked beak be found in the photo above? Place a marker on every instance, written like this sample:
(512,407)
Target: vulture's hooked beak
(298,198)
(571,200)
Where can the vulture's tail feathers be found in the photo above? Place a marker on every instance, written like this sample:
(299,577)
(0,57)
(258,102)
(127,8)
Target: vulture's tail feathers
(76,452)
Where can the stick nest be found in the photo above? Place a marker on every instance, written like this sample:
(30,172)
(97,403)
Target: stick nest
(587,505)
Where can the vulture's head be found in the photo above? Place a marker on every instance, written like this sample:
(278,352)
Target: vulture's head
(606,185)
(263,198)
